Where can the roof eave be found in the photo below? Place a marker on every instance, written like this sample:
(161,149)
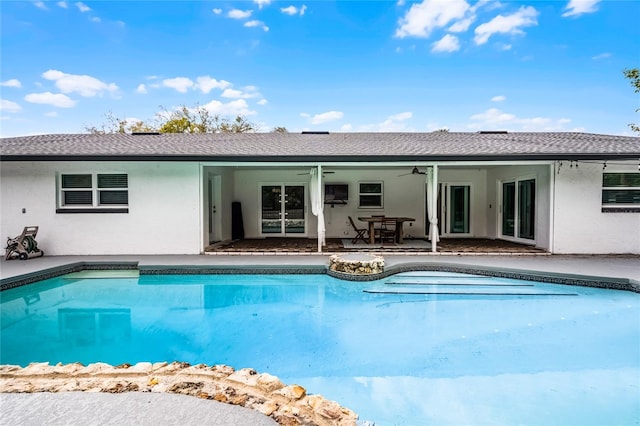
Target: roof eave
(324,158)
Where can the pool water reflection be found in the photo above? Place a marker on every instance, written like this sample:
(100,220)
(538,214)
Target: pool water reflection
(415,348)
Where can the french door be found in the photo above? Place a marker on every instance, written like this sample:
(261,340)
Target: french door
(518,209)
(454,209)
(283,210)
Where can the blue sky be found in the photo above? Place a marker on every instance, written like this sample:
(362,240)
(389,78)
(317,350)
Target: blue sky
(323,65)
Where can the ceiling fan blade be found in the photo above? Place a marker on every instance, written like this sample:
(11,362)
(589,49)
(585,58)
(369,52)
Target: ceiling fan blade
(324,173)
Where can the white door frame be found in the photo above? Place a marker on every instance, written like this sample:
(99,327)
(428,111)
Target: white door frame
(445,205)
(516,230)
(283,232)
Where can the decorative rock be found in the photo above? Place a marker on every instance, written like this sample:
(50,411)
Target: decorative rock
(357,264)
(269,383)
(292,392)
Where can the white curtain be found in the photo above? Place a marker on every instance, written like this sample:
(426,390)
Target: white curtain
(317,204)
(432,206)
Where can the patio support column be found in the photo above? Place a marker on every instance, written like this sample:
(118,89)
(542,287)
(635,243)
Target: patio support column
(317,203)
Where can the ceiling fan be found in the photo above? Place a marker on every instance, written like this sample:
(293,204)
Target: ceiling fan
(414,171)
(323,173)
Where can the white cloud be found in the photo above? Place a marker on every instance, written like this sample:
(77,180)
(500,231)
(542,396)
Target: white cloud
(85,85)
(51,114)
(462,26)
(292,10)
(216,11)
(498,98)
(181,84)
(205,84)
(250,92)
(393,123)
(9,106)
(579,7)
(604,55)
(262,102)
(47,98)
(237,107)
(494,119)
(239,14)
(448,43)
(40,5)
(510,24)
(142,89)
(63,4)
(325,117)
(422,18)
(262,3)
(11,83)
(82,7)
(256,23)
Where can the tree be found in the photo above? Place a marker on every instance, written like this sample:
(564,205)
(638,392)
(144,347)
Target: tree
(279,129)
(115,124)
(181,120)
(633,75)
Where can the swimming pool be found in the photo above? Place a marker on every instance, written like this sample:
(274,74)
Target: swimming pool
(414,348)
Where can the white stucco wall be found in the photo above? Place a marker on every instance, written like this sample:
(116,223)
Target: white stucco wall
(477,178)
(580,225)
(541,173)
(403,196)
(164,209)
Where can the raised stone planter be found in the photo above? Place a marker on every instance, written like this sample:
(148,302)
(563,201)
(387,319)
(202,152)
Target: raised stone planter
(356,264)
(287,405)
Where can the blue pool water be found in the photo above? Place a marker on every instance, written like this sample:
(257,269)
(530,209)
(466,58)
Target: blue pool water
(417,348)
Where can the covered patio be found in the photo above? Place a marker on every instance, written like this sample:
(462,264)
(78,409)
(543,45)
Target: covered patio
(449,246)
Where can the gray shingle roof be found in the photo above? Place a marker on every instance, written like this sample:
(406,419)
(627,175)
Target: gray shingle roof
(321,147)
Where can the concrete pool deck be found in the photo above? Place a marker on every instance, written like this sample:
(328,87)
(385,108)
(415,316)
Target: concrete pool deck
(158,408)
(617,267)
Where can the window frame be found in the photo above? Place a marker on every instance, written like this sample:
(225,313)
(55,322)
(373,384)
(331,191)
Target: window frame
(95,189)
(613,206)
(371,194)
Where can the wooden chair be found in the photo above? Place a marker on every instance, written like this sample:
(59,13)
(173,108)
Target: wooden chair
(362,234)
(387,231)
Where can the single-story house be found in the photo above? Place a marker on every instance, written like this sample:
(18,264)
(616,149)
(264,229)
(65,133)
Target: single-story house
(176,193)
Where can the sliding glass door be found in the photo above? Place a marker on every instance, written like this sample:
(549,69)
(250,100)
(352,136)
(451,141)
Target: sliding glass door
(283,210)
(454,209)
(518,209)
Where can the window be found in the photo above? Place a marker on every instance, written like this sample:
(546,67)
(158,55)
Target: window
(370,195)
(621,192)
(102,192)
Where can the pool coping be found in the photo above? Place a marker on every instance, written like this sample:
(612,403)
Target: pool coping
(612,283)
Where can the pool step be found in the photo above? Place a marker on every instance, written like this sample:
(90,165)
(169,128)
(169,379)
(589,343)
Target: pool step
(479,292)
(458,283)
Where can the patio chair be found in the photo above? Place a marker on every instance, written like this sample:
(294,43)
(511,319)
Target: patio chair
(387,230)
(361,233)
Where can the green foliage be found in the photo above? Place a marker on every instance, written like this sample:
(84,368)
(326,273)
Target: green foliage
(633,75)
(181,120)
(279,129)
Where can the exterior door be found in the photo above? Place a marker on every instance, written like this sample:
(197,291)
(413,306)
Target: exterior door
(283,210)
(213,192)
(454,209)
(518,209)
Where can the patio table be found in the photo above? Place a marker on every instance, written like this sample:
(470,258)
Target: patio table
(372,220)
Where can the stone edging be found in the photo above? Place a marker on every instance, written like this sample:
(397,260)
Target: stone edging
(356,264)
(287,405)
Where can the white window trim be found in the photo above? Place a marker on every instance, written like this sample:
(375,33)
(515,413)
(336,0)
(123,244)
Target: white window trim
(95,195)
(381,194)
(609,207)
